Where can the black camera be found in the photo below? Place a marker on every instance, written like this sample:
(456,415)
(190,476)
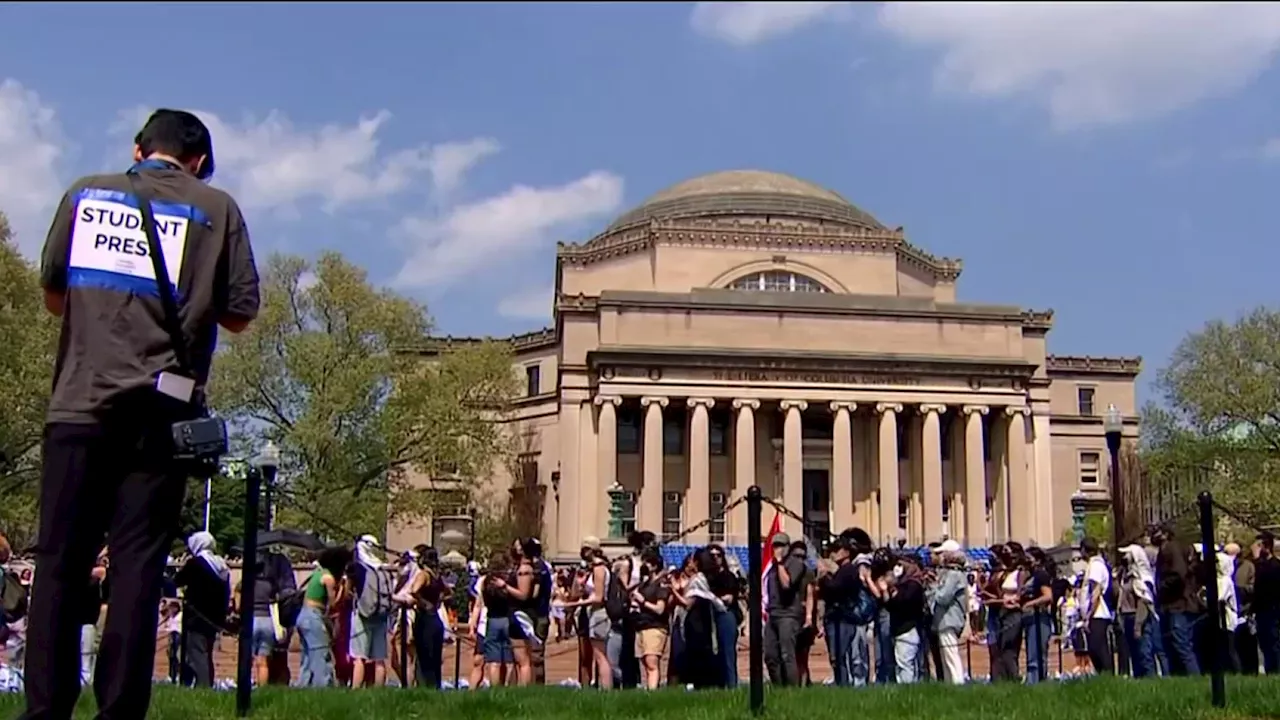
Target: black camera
(201,442)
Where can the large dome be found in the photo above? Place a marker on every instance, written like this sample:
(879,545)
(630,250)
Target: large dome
(747,192)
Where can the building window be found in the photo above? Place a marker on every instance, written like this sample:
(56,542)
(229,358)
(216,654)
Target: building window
(946,511)
(945,428)
(904,440)
(1084,400)
(719,435)
(532,380)
(672,515)
(628,431)
(1090,465)
(716,528)
(673,436)
(777,281)
(903,505)
(628,518)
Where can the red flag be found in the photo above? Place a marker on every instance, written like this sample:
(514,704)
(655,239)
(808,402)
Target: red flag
(767,553)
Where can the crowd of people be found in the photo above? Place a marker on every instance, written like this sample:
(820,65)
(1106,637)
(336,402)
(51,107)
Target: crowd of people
(884,615)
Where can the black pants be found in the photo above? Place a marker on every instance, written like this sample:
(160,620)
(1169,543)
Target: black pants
(1100,646)
(538,650)
(112,481)
(174,657)
(1247,649)
(1008,647)
(428,645)
(199,641)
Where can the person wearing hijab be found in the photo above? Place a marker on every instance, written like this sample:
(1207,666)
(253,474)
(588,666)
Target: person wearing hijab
(206,583)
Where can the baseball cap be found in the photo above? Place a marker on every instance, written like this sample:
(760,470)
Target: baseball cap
(781,539)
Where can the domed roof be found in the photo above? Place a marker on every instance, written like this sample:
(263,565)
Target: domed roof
(747,192)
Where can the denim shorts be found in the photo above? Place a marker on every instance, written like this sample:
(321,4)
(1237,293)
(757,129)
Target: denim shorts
(264,636)
(368,638)
(497,641)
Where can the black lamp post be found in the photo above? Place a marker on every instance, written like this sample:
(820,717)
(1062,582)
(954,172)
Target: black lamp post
(1112,426)
(262,467)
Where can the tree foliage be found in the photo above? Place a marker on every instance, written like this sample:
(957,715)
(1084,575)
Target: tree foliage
(28,338)
(323,374)
(1218,426)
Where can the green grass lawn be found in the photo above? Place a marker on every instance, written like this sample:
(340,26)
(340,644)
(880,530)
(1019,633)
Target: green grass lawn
(1116,699)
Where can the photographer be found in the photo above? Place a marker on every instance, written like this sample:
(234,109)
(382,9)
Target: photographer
(130,366)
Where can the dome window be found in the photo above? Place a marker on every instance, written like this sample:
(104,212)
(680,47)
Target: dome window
(778,281)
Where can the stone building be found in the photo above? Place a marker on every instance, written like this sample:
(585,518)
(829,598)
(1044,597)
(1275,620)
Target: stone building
(748,327)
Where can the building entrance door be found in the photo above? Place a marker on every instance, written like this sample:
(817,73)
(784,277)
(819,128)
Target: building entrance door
(817,505)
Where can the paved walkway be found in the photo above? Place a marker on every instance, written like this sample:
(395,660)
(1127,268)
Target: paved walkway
(562,660)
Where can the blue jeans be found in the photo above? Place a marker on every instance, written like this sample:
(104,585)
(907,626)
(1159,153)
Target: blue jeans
(613,650)
(317,650)
(727,636)
(1037,627)
(1178,630)
(847,648)
(1142,654)
(886,667)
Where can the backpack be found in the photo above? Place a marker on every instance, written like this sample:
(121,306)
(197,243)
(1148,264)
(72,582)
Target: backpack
(289,604)
(375,596)
(616,601)
(13,596)
(864,609)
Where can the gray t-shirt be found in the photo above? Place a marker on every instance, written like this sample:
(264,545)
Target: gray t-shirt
(113,341)
(788,601)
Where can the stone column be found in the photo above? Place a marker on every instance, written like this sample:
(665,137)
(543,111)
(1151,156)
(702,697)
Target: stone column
(653,468)
(744,468)
(975,478)
(1021,498)
(698,500)
(888,455)
(931,464)
(842,466)
(574,479)
(792,465)
(606,445)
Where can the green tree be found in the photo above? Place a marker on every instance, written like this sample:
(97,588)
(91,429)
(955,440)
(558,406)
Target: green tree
(1218,424)
(28,336)
(333,372)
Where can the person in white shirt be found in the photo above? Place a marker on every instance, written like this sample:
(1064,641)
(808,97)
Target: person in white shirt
(1096,611)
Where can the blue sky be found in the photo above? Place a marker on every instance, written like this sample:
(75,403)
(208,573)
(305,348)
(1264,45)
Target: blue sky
(1116,163)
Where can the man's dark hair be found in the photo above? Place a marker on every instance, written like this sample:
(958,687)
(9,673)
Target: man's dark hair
(1268,541)
(1089,547)
(642,539)
(859,539)
(531,548)
(179,134)
(651,556)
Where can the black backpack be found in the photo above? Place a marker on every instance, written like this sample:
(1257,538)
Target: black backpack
(289,604)
(616,601)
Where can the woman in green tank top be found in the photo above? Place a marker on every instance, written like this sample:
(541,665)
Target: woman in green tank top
(317,645)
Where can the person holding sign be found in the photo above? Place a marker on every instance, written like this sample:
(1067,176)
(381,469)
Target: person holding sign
(142,267)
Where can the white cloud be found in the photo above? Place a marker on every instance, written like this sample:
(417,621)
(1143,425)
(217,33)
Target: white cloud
(748,23)
(31,149)
(1093,63)
(272,163)
(528,304)
(466,237)
(449,162)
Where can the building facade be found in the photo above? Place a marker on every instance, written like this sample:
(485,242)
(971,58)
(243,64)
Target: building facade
(750,328)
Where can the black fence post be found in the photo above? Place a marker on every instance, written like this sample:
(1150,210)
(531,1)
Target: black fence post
(755,599)
(248,572)
(1209,564)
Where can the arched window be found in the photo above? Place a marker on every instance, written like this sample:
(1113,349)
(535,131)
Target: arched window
(778,281)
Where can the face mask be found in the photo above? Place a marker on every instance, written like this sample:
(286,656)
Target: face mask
(897,571)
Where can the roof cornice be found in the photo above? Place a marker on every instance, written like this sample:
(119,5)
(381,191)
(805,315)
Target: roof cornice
(1090,365)
(755,234)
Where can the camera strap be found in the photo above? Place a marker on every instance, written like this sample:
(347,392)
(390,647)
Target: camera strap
(168,302)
